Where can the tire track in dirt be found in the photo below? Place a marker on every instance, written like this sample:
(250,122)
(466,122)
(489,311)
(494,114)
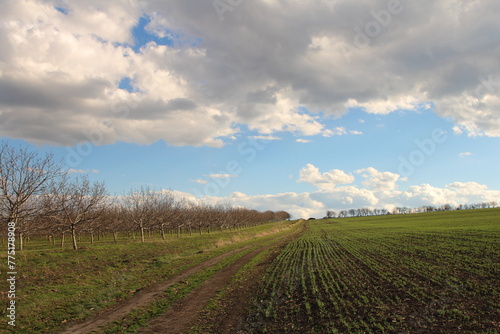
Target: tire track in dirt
(142,298)
(183,314)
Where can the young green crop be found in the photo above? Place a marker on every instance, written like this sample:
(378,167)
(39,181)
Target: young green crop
(432,272)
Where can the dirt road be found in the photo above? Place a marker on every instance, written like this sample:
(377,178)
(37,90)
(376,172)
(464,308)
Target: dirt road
(142,298)
(181,315)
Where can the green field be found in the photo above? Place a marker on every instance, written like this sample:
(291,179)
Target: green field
(422,273)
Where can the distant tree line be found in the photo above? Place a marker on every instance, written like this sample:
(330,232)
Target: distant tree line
(41,198)
(405,210)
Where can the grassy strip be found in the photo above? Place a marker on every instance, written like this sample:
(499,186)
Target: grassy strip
(60,285)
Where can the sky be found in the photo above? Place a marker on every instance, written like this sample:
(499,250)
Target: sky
(296,105)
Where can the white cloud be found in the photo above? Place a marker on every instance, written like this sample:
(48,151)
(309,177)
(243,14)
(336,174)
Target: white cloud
(354,132)
(457,130)
(338,131)
(300,205)
(221,176)
(82,171)
(383,106)
(328,180)
(464,154)
(315,204)
(454,194)
(379,181)
(259,67)
(266,137)
(301,140)
(379,190)
(200,181)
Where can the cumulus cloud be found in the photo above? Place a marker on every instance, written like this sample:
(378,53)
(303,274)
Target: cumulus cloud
(328,180)
(454,194)
(378,181)
(258,67)
(315,204)
(301,205)
(377,190)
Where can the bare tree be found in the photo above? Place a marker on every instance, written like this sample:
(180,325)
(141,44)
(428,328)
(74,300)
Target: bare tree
(166,211)
(79,202)
(23,174)
(331,214)
(140,207)
(113,220)
(282,215)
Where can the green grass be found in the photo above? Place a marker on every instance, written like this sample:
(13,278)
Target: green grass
(55,286)
(433,272)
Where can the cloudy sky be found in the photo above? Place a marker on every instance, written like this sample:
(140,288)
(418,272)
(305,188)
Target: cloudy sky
(296,105)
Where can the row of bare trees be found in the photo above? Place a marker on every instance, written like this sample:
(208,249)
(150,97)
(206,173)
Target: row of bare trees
(38,195)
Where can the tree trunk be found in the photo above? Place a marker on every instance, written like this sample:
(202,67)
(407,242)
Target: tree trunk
(62,239)
(178,232)
(92,237)
(162,230)
(21,237)
(142,234)
(115,236)
(73,237)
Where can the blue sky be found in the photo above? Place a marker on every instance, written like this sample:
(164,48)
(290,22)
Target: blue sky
(231,108)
